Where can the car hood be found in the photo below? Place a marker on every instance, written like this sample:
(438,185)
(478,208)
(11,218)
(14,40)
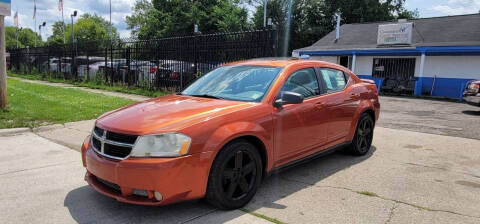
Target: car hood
(168,113)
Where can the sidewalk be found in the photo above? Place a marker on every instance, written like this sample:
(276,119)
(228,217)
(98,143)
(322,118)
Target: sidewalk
(104,92)
(397,182)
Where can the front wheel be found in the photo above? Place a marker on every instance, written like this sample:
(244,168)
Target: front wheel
(362,141)
(235,176)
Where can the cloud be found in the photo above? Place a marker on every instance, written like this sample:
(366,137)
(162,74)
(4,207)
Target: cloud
(47,10)
(458,7)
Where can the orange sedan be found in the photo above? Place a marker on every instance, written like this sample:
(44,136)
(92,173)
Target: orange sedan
(228,130)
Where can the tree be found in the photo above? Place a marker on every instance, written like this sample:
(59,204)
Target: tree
(57,34)
(160,18)
(26,37)
(312,19)
(87,28)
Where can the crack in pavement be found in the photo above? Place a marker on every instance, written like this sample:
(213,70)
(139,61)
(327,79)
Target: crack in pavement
(382,197)
(392,210)
(34,168)
(199,216)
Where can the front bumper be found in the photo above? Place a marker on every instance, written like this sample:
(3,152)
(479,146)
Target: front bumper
(176,179)
(472,99)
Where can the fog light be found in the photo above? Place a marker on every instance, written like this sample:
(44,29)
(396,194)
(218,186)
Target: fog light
(140,192)
(158,196)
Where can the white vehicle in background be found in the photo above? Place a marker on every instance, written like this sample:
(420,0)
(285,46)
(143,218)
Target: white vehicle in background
(138,72)
(89,66)
(93,69)
(51,64)
(65,65)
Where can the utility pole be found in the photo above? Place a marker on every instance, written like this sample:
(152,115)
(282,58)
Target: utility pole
(5,10)
(40,31)
(265,14)
(3,65)
(111,33)
(18,30)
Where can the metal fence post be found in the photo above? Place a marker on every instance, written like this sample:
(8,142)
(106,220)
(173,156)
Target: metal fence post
(88,66)
(48,63)
(105,67)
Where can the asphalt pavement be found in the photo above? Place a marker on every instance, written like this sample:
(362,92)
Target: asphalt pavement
(424,167)
(408,177)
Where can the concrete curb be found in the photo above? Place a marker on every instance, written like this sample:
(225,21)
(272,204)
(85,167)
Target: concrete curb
(12,131)
(47,128)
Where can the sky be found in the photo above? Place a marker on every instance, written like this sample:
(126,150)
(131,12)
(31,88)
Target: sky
(47,10)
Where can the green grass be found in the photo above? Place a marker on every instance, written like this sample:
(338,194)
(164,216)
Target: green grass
(92,85)
(32,105)
(367,193)
(274,220)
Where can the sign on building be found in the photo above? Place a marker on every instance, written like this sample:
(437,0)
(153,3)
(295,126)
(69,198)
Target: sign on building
(397,33)
(5,8)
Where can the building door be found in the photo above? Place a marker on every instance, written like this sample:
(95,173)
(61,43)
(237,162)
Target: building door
(397,68)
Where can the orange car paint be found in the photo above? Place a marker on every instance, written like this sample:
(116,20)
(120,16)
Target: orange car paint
(285,134)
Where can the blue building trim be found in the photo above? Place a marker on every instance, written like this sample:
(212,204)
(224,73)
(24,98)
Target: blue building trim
(432,51)
(444,87)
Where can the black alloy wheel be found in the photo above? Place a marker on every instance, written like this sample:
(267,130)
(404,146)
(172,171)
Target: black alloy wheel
(362,140)
(235,176)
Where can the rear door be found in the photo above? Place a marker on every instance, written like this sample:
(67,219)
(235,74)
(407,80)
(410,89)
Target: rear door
(339,101)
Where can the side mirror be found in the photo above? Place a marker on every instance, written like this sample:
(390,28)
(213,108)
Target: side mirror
(288,98)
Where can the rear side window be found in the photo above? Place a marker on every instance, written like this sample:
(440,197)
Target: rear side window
(303,81)
(334,79)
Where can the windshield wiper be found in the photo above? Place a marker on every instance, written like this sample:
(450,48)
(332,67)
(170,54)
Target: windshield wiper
(207,96)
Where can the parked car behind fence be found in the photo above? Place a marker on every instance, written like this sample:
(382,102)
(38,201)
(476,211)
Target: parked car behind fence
(171,62)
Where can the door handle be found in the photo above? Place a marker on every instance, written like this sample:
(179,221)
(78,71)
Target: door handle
(320,105)
(354,94)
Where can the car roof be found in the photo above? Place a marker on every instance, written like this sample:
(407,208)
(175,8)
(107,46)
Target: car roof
(278,62)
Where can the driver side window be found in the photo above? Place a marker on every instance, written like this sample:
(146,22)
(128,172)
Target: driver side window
(303,81)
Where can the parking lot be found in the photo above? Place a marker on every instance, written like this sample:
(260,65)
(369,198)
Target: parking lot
(424,167)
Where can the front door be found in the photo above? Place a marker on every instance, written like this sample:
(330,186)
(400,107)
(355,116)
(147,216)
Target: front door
(300,127)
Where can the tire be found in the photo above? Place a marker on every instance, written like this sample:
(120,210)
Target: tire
(235,176)
(362,140)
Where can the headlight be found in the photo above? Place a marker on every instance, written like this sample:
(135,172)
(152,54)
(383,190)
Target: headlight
(161,145)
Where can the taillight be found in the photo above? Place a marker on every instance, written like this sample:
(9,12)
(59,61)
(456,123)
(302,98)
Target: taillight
(474,87)
(174,75)
(153,69)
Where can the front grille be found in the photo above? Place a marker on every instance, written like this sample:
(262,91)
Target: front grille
(96,143)
(111,144)
(117,151)
(130,139)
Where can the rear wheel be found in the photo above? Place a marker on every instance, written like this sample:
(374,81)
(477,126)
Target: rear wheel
(362,141)
(235,176)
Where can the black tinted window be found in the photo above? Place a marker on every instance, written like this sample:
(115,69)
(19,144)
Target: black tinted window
(304,82)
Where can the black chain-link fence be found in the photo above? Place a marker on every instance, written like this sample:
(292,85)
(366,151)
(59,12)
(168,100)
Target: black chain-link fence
(166,63)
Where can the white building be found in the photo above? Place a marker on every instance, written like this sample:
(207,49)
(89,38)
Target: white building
(439,55)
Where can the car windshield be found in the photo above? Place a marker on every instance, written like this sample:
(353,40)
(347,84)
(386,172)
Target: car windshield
(242,83)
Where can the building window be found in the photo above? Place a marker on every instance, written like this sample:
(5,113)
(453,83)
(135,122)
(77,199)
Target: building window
(397,68)
(345,61)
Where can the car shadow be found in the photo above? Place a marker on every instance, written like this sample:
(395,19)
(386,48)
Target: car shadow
(471,112)
(87,206)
